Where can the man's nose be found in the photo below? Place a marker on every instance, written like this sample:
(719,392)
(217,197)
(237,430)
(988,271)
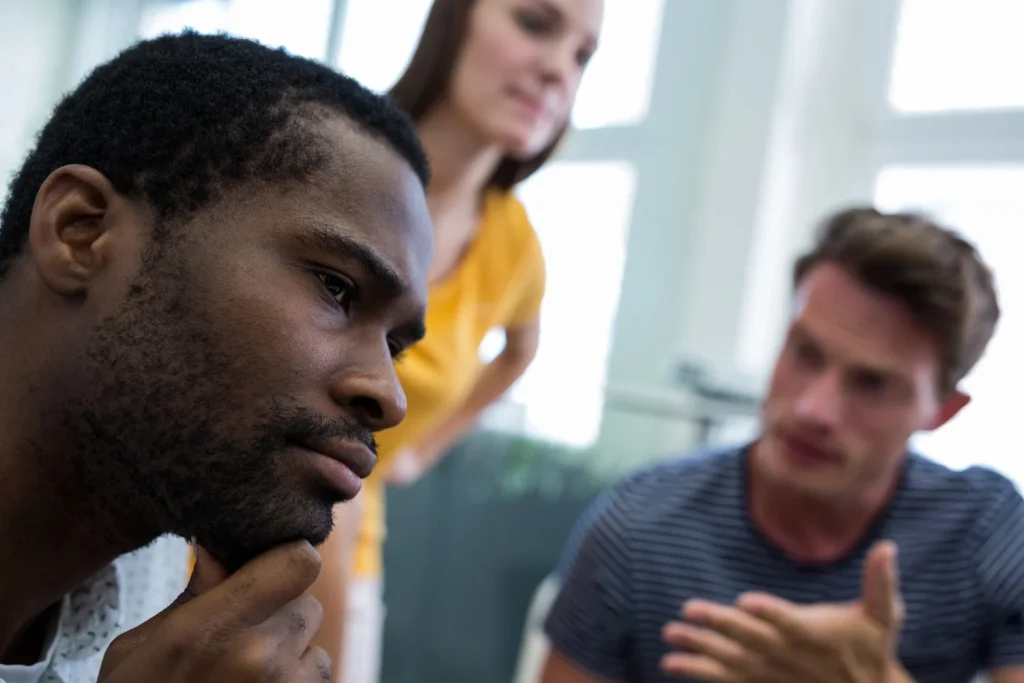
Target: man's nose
(821,401)
(371,395)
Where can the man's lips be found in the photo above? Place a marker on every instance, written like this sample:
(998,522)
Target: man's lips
(342,463)
(807,450)
(352,453)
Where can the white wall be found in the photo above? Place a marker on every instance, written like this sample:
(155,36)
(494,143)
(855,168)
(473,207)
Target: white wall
(660,248)
(48,46)
(739,146)
(819,160)
(32,66)
(719,73)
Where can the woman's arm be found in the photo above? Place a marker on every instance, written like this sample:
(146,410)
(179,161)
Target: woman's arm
(331,587)
(495,378)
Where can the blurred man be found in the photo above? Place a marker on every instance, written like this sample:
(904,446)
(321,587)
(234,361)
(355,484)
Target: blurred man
(207,265)
(777,562)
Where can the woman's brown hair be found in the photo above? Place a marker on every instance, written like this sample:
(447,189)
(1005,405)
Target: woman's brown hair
(428,76)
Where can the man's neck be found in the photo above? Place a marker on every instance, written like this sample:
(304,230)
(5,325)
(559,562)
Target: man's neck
(54,531)
(51,544)
(810,529)
(29,646)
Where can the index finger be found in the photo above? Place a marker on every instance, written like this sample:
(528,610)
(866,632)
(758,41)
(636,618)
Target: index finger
(780,613)
(747,630)
(207,574)
(257,590)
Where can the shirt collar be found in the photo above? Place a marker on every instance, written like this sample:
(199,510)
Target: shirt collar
(90,616)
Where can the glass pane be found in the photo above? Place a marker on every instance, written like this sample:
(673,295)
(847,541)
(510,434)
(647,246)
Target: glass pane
(958,54)
(377,42)
(986,204)
(300,26)
(616,89)
(576,206)
(377,39)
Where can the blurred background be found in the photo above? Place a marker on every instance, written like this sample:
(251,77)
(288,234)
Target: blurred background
(709,138)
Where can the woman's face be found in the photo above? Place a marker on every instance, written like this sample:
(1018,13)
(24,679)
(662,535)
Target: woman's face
(519,70)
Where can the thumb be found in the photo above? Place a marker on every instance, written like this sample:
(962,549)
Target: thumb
(207,573)
(880,594)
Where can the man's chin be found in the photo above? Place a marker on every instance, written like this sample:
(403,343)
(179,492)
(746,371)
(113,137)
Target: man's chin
(777,469)
(237,544)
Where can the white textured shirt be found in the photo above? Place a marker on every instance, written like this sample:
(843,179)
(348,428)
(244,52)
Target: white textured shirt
(122,596)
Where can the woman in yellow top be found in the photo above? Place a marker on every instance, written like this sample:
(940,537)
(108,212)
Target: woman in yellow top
(490,87)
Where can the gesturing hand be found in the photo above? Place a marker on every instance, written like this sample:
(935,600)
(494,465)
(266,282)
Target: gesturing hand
(255,625)
(764,639)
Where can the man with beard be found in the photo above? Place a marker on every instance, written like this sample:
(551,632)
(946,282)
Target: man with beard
(775,562)
(207,266)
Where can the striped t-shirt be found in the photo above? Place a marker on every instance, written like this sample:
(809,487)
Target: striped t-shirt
(680,531)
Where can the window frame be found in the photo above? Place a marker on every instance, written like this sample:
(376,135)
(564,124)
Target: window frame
(975,137)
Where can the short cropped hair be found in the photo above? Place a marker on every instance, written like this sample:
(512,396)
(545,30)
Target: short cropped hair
(180,119)
(933,271)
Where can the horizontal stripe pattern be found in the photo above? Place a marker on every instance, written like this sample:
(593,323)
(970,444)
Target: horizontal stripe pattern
(680,530)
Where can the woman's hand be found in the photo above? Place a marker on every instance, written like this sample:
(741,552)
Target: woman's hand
(407,467)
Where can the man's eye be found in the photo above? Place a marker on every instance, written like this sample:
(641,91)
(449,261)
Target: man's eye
(339,289)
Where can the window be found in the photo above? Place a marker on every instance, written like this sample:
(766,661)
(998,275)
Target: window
(616,89)
(300,26)
(377,43)
(958,55)
(985,203)
(917,92)
(581,212)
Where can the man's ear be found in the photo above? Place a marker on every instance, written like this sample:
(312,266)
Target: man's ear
(70,228)
(948,408)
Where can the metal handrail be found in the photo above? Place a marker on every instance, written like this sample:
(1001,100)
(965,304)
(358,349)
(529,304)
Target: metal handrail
(680,404)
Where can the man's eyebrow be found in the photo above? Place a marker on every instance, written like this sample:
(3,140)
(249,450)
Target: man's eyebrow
(322,238)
